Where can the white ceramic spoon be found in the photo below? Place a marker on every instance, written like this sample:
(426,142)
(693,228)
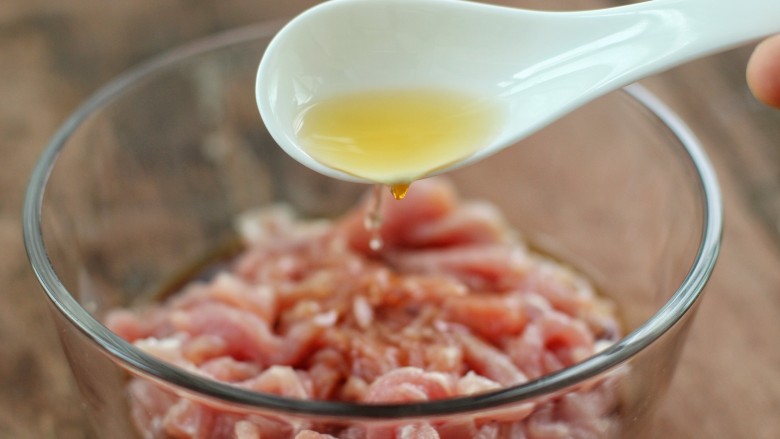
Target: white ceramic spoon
(541,65)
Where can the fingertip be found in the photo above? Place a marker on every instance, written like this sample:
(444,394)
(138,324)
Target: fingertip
(763,71)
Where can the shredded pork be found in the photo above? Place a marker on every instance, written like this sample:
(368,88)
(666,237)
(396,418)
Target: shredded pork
(453,305)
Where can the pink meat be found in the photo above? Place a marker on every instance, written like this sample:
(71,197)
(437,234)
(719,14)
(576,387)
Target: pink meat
(486,267)
(552,342)
(246,336)
(491,316)
(452,306)
(230,290)
(187,419)
(149,405)
(282,381)
(490,362)
(472,384)
(417,431)
(229,370)
(469,223)
(410,384)
(308,434)
(136,325)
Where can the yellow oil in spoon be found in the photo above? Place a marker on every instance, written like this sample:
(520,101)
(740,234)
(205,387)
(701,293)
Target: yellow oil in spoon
(394,137)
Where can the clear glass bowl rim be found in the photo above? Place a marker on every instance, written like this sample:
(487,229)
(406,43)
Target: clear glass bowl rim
(665,318)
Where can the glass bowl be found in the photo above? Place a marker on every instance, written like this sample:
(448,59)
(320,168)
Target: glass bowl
(144,181)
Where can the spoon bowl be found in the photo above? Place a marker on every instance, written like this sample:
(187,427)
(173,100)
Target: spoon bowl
(537,65)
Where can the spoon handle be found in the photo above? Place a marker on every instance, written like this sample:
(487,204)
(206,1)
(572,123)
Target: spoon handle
(738,21)
(656,35)
(704,27)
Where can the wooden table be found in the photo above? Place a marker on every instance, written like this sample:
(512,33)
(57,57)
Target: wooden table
(53,54)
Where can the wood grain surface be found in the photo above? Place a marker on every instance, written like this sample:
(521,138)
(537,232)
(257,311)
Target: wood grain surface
(54,54)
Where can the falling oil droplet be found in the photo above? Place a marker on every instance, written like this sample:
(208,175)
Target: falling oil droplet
(376,243)
(399,190)
(373,219)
